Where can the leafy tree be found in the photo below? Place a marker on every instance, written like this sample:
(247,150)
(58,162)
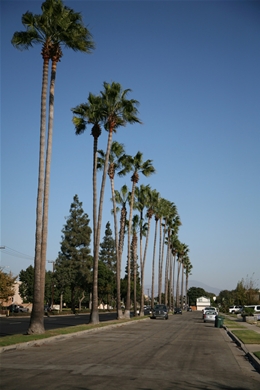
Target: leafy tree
(74,262)
(194,293)
(27,285)
(57,25)
(107,267)
(6,285)
(107,253)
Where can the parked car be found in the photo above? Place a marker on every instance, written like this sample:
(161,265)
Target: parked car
(18,309)
(177,310)
(256,308)
(209,316)
(235,309)
(208,308)
(189,309)
(160,311)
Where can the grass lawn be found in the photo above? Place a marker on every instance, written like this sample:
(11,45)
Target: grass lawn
(257,354)
(21,338)
(247,336)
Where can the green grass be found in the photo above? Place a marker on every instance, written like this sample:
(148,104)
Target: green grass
(20,338)
(257,354)
(232,324)
(247,336)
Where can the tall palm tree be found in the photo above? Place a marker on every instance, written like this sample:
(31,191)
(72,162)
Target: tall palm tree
(57,25)
(157,218)
(152,201)
(182,251)
(187,270)
(84,114)
(117,111)
(146,168)
(117,164)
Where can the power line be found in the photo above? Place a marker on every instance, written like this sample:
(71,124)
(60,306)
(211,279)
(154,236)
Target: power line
(12,252)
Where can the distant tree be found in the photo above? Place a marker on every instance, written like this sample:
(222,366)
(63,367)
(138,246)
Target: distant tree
(6,285)
(107,253)
(194,293)
(27,285)
(107,267)
(74,263)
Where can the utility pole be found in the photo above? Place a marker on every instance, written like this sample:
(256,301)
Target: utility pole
(52,284)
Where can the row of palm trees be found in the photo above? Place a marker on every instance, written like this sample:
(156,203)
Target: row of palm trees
(56,27)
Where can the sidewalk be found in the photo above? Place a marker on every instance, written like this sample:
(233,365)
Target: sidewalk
(248,349)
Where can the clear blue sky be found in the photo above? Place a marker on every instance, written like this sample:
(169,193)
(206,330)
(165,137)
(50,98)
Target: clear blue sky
(194,68)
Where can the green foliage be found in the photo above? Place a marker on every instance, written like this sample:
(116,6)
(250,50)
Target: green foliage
(107,268)
(27,285)
(74,263)
(27,279)
(6,285)
(194,293)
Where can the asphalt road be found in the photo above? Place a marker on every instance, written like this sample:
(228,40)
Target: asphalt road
(181,353)
(19,325)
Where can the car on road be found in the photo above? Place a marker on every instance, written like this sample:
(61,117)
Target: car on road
(209,316)
(160,311)
(177,310)
(18,309)
(208,308)
(189,309)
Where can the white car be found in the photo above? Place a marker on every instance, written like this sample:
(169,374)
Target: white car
(209,308)
(209,316)
(235,309)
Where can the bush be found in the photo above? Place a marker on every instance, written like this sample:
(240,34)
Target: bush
(248,311)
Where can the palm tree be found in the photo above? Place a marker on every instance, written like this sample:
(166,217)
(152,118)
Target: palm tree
(116,164)
(157,218)
(182,251)
(152,201)
(56,25)
(117,111)
(187,270)
(146,168)
(121,198)
(84,114)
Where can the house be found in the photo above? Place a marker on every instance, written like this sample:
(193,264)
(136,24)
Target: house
(202,302)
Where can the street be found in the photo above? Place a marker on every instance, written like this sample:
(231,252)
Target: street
(180,353)
(20,325)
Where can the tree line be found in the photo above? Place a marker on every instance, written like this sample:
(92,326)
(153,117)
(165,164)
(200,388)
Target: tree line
(56,27)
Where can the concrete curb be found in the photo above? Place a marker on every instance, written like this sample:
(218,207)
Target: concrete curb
(37,343)
(251,357)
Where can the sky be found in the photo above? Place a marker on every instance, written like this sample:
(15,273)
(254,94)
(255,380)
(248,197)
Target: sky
(194,68)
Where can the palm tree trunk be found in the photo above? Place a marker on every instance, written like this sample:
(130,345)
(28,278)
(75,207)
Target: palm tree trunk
(94,182)
(94,318)
(47,178)
(177,285)
(128,296)
(173,281)
(154,251)
(170,279)
(36,325)
(143,266)
(182,283)
(118,265)
(159,264)
(161,267)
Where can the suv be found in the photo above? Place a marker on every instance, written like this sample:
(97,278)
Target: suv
(235,309)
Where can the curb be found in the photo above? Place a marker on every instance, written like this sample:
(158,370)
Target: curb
(251,357)
(37,343)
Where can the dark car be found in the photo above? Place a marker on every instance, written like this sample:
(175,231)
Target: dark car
(189,309)
(160,311)
(177,310)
